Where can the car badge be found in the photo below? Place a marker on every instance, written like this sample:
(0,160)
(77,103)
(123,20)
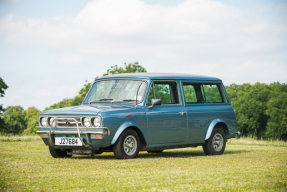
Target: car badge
(68,123)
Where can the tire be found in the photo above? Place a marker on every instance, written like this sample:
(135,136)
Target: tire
(127,145)
(215,145)
(98,152)
(57,153)
(158,151)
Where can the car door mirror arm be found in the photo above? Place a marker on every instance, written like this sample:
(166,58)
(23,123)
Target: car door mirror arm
(155,102)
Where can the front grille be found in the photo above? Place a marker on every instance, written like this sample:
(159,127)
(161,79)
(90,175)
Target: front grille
(67,123)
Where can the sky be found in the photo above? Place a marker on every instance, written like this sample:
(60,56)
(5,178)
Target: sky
(48,49)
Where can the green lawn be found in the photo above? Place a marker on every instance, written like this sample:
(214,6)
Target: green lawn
(26,165)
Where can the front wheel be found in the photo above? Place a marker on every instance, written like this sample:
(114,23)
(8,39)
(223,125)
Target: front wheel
(157,151)
(215,145)
(127,145)
(57,153)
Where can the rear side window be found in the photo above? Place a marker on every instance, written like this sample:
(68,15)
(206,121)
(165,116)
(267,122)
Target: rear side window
(212,93)
(203,93)
(189,93)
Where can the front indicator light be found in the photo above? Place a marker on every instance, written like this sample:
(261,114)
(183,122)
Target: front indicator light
(96,136)
(44,135)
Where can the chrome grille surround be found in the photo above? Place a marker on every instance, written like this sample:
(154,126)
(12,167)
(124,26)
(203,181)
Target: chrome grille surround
(65,121)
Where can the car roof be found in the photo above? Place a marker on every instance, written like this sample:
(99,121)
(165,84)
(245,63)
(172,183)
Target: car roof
(159,76)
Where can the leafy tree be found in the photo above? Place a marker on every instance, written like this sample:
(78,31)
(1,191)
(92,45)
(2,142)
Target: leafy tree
(249,101)
(260,109)
(2,122)
(32,114)
(3,87)
(277,113)
(130,68)
(61,104)
(14,117)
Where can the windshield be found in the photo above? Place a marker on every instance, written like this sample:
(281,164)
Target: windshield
(117,91)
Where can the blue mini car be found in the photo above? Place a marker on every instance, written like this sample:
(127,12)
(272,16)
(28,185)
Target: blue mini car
(132,112)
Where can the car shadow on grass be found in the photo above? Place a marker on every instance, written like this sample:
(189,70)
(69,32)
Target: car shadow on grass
(164,154)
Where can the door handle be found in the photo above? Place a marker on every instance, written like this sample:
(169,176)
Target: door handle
(182,112)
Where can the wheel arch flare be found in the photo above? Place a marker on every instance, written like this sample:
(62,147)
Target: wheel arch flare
(212,125)
(126,125)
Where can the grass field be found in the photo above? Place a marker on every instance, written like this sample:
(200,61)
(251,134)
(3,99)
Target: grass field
(26,165)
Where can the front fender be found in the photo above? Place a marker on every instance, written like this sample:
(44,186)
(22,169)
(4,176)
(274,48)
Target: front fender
(211,127)
(122,128)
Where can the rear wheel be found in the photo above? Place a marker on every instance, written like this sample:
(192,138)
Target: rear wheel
(57,153)
(127,145)
(215,145)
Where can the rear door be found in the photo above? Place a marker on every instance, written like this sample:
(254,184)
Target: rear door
(204,101)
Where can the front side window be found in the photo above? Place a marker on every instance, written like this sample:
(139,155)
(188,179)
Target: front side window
(203,93)
(117,90)
(164,90)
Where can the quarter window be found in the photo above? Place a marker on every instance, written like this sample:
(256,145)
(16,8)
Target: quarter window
(212,93)
(203,93)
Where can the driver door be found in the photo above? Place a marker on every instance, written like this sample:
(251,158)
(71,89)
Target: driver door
(167,123)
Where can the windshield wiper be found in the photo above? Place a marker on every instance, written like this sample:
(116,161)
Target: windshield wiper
(129,100)
(103,99)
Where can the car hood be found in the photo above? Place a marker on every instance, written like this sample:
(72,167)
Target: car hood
(84,110)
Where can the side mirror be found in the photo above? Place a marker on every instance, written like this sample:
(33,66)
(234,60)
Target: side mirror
(155,102)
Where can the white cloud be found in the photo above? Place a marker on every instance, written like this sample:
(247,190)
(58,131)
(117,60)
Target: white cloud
(42,93)
(197,36)
(122,28)
(72,60)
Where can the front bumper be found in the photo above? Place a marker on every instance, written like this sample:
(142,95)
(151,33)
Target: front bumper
(55,131)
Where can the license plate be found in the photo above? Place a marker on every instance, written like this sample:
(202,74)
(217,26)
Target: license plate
(68,141)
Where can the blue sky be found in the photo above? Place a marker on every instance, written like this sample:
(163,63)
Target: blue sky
(49,48)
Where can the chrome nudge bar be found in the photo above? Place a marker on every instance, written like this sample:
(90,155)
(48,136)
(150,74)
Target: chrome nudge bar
(107,132)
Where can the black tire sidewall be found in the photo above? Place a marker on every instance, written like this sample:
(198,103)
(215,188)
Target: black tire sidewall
(118,146)
(208,146)
(57,153)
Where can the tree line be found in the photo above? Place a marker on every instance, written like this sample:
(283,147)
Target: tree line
(261,109)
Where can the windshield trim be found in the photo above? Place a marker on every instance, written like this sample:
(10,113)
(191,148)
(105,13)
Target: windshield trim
(143,80)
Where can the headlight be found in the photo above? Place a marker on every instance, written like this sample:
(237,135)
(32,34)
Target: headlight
(97,121)
(51,120)
(44,121)
(87,122)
